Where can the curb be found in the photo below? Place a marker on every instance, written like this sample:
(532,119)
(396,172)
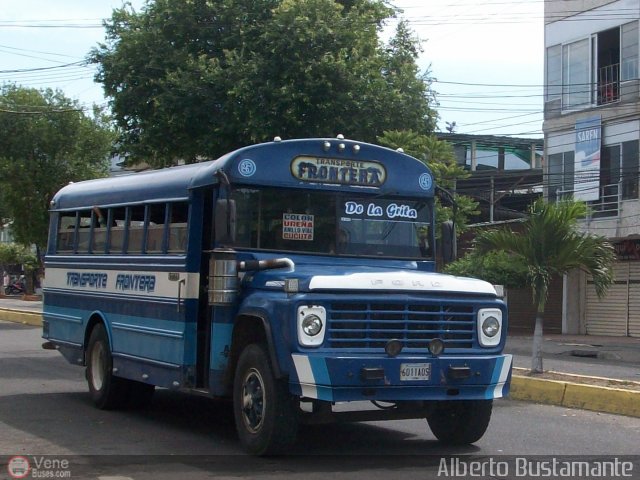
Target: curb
(551,392)
(21,316)
(576,395)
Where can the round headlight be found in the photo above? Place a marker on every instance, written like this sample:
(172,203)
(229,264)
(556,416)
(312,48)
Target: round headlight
(311,325)
(490,326)
(436,347)
(393,347)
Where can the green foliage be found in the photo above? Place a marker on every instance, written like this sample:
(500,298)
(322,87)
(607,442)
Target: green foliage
(440,158)
(46,141)
(437,154)
(14,254)
(9,253)
(197,79)
(551,245)
(498,268)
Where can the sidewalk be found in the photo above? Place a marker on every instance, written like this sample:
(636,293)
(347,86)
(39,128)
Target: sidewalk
(15,303)
(13,309)
(595,356)
(609,357)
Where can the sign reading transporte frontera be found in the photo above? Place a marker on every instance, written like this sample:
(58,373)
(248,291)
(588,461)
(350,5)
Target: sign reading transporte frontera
(338,171)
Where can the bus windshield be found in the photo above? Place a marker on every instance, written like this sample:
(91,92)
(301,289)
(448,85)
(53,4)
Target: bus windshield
(333,223)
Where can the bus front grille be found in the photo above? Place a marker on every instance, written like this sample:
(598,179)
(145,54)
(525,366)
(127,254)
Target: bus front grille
(370,325)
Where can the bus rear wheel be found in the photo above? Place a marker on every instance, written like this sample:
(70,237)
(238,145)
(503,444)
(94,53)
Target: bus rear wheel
(107,391)
(460,422)
(266,414)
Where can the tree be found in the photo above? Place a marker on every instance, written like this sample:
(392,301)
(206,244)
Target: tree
(496,267)
(11,254)
(549,245)
(440,158)
(46,141)
(188,80)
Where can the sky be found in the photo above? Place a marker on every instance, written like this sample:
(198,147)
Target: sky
(486,58)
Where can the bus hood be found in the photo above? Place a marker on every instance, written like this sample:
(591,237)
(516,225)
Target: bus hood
(316,278)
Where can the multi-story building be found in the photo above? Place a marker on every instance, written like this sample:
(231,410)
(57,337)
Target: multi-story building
(592,133)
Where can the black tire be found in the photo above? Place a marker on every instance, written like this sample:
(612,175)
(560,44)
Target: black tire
(460,422)
(266,414)
(107,391)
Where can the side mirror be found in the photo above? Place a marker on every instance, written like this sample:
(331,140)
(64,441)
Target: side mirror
(448,242)
(225,221)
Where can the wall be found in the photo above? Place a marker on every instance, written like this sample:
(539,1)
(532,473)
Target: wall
(522,312)
(557,10)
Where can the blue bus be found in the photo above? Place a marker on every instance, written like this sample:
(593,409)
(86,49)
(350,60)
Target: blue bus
(296,278)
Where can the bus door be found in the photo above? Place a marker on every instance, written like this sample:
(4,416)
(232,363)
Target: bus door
(203,329)
(218,296)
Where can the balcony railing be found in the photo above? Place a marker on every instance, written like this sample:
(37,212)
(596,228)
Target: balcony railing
(607,206)
(609,84)
(609,203)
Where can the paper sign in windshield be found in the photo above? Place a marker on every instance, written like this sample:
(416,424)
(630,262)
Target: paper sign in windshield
(297,226)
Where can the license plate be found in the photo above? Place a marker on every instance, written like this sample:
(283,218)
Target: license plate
(415,371)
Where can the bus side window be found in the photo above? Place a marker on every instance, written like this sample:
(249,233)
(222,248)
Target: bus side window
(84,231)
(178,227)
(155,228)
(100,219)
(118,225)
(66,232)
(136,229)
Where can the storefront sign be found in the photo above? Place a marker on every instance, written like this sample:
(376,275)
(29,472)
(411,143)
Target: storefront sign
(628,249)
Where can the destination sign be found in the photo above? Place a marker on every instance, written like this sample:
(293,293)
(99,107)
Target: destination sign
(338,171)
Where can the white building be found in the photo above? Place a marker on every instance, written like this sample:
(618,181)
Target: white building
(592,133)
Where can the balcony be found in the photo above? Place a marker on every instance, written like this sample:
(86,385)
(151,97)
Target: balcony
(609,203)
(608,84)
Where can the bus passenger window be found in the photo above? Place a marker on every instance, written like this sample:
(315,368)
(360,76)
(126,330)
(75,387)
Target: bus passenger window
(100,217)
(118,224)
(178,227)
(155,228)
(84,231)
(136,229)
(66,231)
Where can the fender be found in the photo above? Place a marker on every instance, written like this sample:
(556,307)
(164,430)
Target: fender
(262,316)
(95,317)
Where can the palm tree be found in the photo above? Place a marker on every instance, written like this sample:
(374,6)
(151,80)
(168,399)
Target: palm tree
(549,245)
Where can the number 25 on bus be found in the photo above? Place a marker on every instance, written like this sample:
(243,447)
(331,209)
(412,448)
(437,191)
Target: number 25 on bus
(292,277)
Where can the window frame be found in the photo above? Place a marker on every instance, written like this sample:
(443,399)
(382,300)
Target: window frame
(89,215)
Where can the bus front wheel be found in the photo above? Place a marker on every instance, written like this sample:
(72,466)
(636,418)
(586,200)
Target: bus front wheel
(460,422)
(266,414)
(107,391)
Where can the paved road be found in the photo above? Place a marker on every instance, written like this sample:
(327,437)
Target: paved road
(44,410)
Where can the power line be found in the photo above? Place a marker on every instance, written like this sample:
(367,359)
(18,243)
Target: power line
(39,69)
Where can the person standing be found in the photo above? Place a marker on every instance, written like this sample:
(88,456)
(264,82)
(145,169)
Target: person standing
(6,281)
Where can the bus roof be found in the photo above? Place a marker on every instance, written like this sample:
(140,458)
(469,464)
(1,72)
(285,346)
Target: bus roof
(327,164)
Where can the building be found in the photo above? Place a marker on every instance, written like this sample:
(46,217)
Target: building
(505,173)
(591,133)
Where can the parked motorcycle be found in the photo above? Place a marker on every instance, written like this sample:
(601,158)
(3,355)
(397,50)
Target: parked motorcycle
(15,288)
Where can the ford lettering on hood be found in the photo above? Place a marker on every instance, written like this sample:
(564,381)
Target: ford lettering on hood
(406,281)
